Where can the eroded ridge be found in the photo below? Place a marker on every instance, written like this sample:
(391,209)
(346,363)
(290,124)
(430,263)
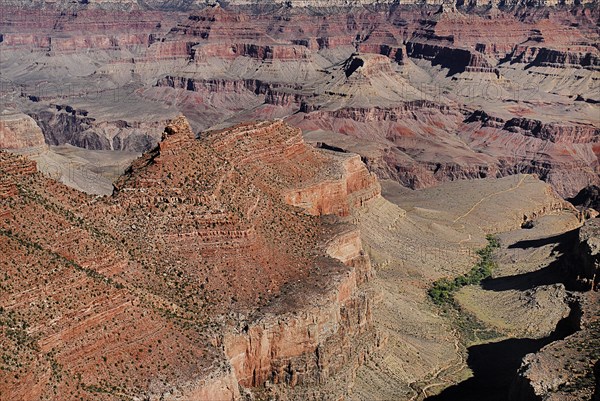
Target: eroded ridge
(194,279)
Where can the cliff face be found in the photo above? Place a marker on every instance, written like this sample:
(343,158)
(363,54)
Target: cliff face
(19,132)
(567,369)
(587,198)
(245,290)
(63,124)
(353,189)
(577,57)
(417,136)
(253,50)
(312,345)
(455,59)
(555,133)
(260,4)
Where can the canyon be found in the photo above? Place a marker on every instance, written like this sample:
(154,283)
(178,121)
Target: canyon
(136,281)
(249,200)
(289,274)
(437,94)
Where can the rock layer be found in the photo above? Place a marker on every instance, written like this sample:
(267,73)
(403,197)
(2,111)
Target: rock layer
(146,289)
(423,71)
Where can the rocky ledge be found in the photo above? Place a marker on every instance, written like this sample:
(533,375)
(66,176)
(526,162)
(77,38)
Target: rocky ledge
(196,268)
(568,369)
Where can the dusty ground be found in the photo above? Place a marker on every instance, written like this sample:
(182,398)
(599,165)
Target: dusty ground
(415,237)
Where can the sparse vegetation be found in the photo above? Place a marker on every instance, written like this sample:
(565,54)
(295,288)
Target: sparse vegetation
(443,290)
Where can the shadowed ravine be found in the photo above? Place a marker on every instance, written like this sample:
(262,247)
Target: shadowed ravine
(495,365)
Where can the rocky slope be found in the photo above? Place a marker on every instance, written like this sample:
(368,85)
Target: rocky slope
(499,91)
(162,310)
(432,233)
(568,369)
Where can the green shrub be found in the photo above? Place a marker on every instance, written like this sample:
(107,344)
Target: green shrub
(443,289)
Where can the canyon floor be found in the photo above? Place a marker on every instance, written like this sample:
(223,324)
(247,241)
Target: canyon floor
(436,238)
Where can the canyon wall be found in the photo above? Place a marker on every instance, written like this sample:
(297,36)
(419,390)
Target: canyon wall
(567,369)
(355,187)
(246,294)
(264,290)
(405,78)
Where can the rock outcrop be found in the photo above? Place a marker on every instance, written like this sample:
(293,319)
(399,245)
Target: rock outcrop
(353,189)
(587,198)
(244,290)
(553,132)
(63,124)
(19,132)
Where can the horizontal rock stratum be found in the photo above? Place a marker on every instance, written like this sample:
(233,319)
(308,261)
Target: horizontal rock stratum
(195,280)
(425,94)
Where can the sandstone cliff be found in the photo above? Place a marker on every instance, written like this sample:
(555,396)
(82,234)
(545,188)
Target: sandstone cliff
(243,291)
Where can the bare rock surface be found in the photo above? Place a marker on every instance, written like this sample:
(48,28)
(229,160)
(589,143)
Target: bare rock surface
(184,297)
(460,93)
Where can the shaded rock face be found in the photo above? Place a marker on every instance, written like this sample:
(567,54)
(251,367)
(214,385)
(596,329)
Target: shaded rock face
(588,197)
(589,240)
(456,60)
(63,124)
(545,57)
(196,267)
(66,127)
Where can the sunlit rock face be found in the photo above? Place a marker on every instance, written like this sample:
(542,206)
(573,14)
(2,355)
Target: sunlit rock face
(435,93)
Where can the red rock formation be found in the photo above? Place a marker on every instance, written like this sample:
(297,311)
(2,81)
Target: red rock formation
(8,188)
(195,229)
(257,51)
(557,133)
(20,132)
(355,187)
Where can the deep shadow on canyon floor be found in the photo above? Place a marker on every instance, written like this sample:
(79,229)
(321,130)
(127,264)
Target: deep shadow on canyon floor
(495,365)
